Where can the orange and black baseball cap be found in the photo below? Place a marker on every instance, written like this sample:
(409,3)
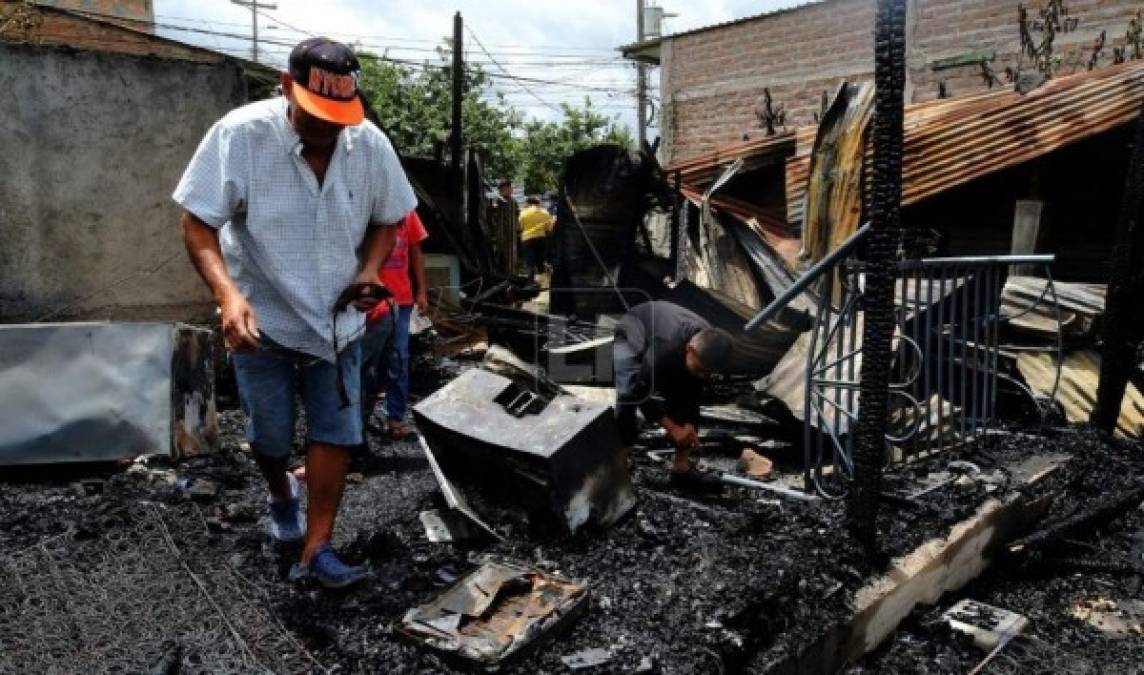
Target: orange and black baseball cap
(326,75)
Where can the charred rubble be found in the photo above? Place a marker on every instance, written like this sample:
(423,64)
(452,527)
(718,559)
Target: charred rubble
(512,534)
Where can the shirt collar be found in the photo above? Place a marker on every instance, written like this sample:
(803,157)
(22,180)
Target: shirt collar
(292,142)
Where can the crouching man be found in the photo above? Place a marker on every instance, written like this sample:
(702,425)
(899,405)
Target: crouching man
(662,348)
(287,202)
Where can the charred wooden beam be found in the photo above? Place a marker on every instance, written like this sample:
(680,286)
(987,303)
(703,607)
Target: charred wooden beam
(885,217)
(1103,511)
(1122,322)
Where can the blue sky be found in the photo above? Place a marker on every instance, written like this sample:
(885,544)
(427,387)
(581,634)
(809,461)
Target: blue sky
(571,42)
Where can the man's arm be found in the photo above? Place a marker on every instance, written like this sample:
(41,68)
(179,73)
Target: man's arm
(417,264)
(376,249)
(239,327)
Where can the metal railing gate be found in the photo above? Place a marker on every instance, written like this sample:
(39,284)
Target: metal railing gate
(943,390)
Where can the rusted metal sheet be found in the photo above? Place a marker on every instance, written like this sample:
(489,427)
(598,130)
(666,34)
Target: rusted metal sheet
(985,135)
(771,225)
(834,185)
(755,153)
(954,141)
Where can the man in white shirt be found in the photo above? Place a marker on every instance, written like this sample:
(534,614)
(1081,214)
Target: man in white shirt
(287,203)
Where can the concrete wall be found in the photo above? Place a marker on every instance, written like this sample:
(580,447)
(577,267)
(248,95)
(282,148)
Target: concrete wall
(712,81)
(91,146)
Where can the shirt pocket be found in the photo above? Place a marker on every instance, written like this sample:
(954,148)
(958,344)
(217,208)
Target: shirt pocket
(344,213)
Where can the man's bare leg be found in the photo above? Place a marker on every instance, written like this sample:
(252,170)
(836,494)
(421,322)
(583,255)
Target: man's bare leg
(274,471)
(682,461)
(326,467)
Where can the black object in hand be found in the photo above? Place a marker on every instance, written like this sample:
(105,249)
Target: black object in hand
(361,291)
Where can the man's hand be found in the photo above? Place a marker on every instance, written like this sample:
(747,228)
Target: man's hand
(682,435)
(366,304)
(422,302)
(239,327)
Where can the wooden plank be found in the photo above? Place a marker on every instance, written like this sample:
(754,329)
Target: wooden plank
(924,575)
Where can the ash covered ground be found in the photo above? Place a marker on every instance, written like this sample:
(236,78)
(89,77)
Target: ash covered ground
(726,584)
(1048,587)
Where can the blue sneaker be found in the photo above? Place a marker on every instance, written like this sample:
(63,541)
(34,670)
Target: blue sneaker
(328,570)
(287,522)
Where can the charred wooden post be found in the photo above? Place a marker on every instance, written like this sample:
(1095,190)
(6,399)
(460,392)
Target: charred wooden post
(1121,331)
(885,217)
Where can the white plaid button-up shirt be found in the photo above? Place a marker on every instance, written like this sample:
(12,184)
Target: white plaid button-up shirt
(290,245)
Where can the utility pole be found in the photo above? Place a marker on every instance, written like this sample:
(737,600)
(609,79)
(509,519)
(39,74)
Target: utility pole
(456,146)
(641,79)
(254,6)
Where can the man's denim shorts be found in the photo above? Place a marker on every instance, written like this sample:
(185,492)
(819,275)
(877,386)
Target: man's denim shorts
(266,386)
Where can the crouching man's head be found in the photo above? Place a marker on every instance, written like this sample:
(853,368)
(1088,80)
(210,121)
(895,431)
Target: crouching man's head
(709,352)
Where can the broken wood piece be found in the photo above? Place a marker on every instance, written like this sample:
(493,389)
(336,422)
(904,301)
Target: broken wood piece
(755,465)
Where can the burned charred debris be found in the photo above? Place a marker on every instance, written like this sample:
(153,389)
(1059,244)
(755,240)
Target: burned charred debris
(971,264)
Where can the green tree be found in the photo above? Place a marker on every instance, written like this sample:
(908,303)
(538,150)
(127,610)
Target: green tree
(414,103)
(546,145)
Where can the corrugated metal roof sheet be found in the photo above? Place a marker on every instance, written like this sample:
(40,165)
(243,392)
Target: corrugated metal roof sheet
(990,134)
(771,226)
(754,153)
(954,141)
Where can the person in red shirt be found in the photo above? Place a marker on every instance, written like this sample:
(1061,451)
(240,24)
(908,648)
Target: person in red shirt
(385,346)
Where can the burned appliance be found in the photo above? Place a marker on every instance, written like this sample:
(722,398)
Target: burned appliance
(551,454)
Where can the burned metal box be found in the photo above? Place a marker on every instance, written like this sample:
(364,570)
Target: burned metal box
(85,392)
(558,456)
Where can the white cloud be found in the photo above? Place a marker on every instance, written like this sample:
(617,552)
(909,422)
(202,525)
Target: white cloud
(572,42)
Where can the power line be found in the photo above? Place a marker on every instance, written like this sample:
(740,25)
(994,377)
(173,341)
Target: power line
(505,71)
(508,50)
(503,56)
(286,46)
(254,6)
(281,22)
(504,50)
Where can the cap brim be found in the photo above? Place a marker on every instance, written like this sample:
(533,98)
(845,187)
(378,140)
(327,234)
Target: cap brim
(348,113)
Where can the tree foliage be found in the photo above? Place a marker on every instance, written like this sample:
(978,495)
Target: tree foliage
(545,145)
(413,104)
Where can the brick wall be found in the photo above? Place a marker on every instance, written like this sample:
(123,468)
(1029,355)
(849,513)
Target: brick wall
(712,81)
(21,23)
(135,10)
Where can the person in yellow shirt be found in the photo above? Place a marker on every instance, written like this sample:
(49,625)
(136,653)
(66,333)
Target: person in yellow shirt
(535,224)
